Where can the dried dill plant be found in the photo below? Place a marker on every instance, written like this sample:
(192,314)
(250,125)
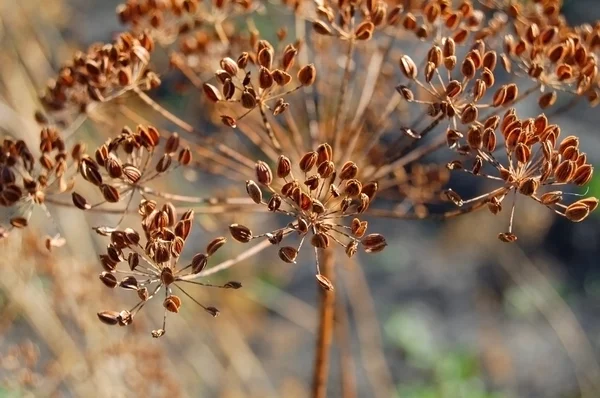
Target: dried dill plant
(361,108)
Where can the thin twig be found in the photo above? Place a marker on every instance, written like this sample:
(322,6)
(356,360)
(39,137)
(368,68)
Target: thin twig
(231,262)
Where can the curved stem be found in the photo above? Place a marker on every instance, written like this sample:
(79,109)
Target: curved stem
(198,199)
(163,112)
(229,263)
(326,327)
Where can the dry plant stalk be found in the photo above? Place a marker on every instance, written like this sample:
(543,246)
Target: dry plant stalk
(363,110)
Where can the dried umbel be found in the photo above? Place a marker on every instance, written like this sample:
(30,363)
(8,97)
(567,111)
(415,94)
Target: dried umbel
(259,80)
(430,20)
(147,267)
(558,60)
(197,33)
(543,12)
(126,164)
(101,74)
(537,160)
(167,21)
(26,181)
(318,196)
(454,89)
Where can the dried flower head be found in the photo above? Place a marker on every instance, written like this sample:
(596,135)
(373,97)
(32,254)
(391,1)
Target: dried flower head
(104,72)
(148,267)
(318,196)
(125,164)
(26,181)
(536,160)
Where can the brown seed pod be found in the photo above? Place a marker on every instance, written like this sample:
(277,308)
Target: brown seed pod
(308,161)
(547,100)
(507,237)
(215,245)
(373,243)
(551,198)
(211,92)
(349,170)
(307,75)
(322,28)
(324,282)
(108,279)
(351,248)
(320,240)
(248,100)
(240,233)
(80,202)
(284,166)
(254,191)
(288,254)
(228,121)
(230,66)
(172,303)
(358,228)
(263,173)
(364,31)
(265,79)
(408,67)
(452,196)
(577,212)
(199,262)
(108,317)
(110,193)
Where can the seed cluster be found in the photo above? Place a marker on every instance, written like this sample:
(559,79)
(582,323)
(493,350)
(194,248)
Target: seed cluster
(318,197)
(25,180)
(536,161)
(126,163)
(267,90)
(154,265)
(102,73)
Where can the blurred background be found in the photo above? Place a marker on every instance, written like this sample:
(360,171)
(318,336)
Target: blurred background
(446,311)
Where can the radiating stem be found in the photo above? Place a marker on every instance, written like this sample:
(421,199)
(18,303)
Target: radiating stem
(163,112)
(229,263)
(326,326)
(342,96)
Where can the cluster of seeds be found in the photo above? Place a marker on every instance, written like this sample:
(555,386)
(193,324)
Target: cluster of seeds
(204,31)
(266,90)
(352,21)
(432,20)
(154,265)
(168,20)
(317,195)
(456,99)
(103,73)
(536,161)
(557,59)
(126,163)
(26,181)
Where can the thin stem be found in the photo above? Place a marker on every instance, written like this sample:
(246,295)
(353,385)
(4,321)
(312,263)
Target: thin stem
(326,326)
(411,156)
(163,112)
(229,263)
(269,129)
(342,96)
